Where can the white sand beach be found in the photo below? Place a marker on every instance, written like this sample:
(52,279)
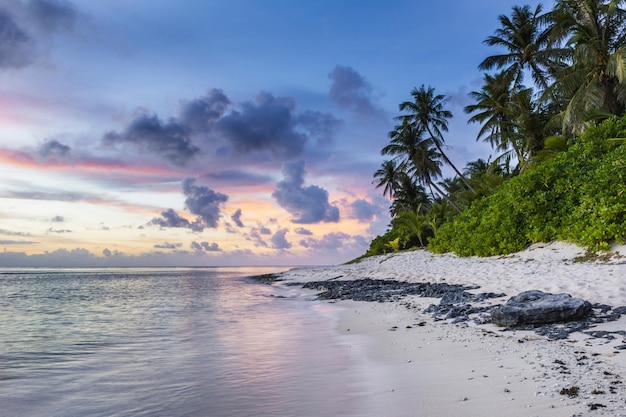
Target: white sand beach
(416,366)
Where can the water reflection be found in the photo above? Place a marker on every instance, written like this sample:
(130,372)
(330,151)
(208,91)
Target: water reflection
(164,342)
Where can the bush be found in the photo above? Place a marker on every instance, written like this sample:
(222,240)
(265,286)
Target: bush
(578,196)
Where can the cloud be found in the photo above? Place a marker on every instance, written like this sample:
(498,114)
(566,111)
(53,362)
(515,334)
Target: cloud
(112,258)
(205,246)
(54,150)
(318,125)
(57,219)
(256,235)
(266,125)
(25,29)
(16,46)
(279,241)
(169,218)
(52,196)
(203,202)
(168,245)
(460,98)
(212,124)
(12,233)
(334,240)
(171,139)
(53,15)
(17,242)
(307,204)
(201,113)
(59,231)
(303,231)
(352,92)
(148,133)
(238,177)
(237,218)
(363,210)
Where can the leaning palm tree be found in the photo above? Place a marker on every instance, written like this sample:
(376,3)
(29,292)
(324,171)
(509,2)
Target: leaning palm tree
(595,81)
(525,37)
(416,156)
(427,113)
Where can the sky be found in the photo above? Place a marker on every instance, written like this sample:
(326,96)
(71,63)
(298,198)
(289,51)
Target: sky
(217,132)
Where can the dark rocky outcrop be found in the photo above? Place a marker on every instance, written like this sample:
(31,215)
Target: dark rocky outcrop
(537,308)
(266,278)
(380,290)
(549,315)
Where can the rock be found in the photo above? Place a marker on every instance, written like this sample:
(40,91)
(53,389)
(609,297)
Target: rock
(537,308)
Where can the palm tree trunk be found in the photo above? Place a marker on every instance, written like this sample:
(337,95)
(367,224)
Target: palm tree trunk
(443,194)
(449,162)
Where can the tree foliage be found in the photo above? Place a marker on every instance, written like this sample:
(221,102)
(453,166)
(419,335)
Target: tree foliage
(559,172)
(579,196)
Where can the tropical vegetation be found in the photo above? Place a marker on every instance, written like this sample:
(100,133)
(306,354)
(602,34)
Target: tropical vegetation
(552,107)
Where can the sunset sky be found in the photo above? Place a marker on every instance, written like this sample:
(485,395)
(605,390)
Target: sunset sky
(206,132)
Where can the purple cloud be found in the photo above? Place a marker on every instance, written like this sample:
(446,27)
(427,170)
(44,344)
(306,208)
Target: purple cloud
(363,210)
(266,125)
(303,231)
(203,202)
(279,241)
(205,246)
(15,44)
(330,241)
(52,15)
(168,245)
(148,133)
(307,204)
(53,149)
(169,218)
(236,217)
(201,113)
(352,92)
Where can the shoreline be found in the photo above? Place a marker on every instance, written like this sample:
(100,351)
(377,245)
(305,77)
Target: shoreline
(417,366)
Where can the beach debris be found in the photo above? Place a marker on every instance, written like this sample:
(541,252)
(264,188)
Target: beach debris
(537,307)
(571,392)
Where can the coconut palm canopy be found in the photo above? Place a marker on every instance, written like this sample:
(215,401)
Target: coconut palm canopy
(554,72)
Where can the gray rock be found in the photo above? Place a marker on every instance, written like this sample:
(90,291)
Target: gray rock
(537,308)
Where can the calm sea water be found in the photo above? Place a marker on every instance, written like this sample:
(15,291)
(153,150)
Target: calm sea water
(167,342)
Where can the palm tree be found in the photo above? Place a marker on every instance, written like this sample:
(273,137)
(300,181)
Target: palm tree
(410,197)
(418,157)
(512,120)
(526,38)
(595,81)
(492,109)
(486,176)
(414,221)
(388,177)
(427,113)
(532,123)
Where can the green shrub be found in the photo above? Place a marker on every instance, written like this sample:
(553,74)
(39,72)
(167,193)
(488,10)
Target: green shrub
(578,196)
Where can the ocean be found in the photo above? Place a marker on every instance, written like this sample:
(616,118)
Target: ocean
(169,342)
